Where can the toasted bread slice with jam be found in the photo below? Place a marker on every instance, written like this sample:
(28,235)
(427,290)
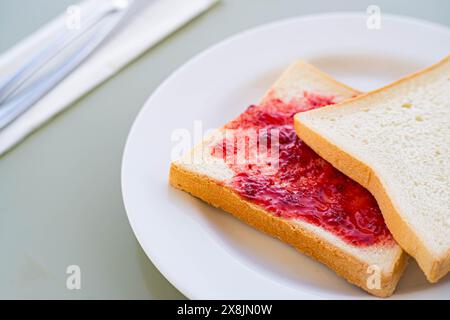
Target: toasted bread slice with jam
(291,193)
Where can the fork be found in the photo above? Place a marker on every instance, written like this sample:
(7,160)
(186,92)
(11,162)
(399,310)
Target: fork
(101,23)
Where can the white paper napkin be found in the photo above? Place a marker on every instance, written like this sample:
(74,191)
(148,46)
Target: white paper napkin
(155,20)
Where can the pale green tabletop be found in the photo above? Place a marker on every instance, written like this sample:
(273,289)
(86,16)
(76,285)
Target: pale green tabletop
(60,198)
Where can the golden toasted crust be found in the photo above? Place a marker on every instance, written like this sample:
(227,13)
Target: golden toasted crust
(347,266)
(434,267)
(299,70)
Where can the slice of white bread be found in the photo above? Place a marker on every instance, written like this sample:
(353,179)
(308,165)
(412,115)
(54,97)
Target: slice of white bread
(395,141)
(205,180)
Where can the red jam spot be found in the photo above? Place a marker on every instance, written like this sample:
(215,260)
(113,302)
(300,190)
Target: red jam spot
(303,185)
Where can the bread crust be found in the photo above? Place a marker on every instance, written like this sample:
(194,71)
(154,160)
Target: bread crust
(434,267)
(344,264)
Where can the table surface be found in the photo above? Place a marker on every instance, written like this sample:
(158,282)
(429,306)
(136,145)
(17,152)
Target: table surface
(60,198)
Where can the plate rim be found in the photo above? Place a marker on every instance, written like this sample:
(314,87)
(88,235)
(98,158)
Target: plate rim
(188,292)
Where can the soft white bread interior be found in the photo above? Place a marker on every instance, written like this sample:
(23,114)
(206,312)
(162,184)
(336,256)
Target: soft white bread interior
(395,141)
(203,176)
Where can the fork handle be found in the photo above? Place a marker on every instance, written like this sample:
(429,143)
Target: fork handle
(14,108)
(36,62)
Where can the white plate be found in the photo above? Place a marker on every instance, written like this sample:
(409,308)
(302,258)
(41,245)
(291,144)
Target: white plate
(206,253)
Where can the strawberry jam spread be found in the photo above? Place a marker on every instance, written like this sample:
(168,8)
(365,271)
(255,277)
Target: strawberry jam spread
(302,185)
